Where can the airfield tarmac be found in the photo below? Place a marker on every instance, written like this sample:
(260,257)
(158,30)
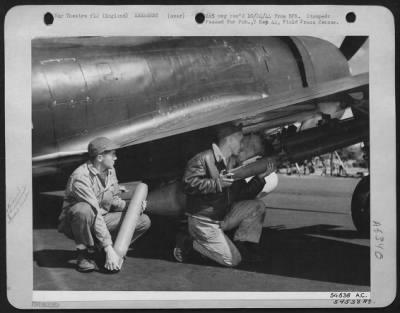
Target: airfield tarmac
(309,244)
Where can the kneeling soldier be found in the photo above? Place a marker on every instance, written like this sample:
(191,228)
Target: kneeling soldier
(216,203)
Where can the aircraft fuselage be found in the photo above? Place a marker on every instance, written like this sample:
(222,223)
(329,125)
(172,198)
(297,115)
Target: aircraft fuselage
(82,91)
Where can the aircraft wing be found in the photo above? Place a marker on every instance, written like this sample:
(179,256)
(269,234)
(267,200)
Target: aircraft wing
(293,103)
(203,113)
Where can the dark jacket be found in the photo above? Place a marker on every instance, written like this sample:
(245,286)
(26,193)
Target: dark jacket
(205,196)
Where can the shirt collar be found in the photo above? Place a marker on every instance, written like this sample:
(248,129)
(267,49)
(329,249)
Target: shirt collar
(218,154)
(94,170)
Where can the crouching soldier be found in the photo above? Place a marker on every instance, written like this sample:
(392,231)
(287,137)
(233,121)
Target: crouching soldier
(93,210)
(216,203)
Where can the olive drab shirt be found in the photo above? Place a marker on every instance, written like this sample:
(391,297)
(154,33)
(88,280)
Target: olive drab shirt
(86,185)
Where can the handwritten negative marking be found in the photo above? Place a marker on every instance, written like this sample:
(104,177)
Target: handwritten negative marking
(16,202)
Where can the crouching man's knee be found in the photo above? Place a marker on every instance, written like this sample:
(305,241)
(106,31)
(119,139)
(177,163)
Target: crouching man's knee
(232,261)
(82,212)
(259,207)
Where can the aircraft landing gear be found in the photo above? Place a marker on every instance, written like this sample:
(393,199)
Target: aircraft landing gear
(360,207)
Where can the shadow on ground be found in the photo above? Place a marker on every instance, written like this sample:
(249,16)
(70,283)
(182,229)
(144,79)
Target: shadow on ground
(288,252)
(285,252)
(296,253)
(55,258)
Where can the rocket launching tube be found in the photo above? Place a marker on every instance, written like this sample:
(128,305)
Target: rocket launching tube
(129,222)
(252,169)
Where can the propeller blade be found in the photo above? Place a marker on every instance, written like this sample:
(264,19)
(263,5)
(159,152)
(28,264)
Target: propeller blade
(351,44)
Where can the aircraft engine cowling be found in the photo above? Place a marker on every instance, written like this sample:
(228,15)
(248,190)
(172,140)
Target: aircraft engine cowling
(316,66)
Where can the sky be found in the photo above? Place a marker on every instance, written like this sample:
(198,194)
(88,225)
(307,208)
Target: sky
(359,63)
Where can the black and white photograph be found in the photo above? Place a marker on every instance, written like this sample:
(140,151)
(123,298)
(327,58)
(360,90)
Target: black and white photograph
(253,153)
(202,164)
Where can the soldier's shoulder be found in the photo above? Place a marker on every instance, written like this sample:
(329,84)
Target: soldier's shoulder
(81,171)
(201,155)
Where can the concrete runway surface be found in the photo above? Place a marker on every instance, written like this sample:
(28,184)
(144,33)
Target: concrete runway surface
(309,244)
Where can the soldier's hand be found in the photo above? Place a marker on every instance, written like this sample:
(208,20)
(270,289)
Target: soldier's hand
(116,205)
(123,188)
(120,205)
(271,167)
(113,260)
(226,179)
(144,205)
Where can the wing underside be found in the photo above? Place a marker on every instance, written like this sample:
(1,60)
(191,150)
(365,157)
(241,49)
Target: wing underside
(260,111)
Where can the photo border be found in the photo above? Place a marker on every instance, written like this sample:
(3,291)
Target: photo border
(18,144)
